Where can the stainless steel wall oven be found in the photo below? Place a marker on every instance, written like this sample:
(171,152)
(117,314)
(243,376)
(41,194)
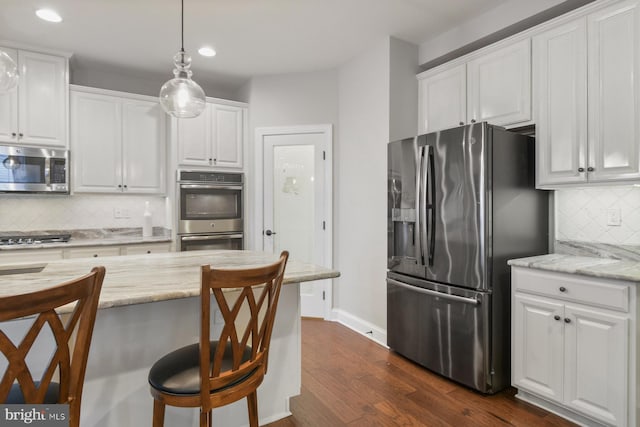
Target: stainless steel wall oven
(210,210)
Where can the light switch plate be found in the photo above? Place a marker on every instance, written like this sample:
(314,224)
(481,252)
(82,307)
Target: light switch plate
(614,217)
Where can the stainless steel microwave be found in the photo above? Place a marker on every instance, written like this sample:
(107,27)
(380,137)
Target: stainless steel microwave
(34,170)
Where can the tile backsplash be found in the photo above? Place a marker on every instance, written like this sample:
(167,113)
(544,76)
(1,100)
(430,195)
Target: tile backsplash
(36,212)
(583,214)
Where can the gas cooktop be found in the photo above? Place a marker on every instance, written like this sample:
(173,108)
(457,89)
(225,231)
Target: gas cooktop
(26,239)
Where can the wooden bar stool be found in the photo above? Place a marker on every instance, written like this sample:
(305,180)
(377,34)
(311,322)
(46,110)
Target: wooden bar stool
(211,374)
(18,385)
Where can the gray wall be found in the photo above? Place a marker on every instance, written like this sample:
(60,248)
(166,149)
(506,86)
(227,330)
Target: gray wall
(287,100)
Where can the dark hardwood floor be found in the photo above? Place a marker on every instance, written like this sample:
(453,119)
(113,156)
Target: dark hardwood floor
(348,380)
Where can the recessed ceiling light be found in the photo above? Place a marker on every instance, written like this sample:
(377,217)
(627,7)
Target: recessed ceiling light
(48,15)
(206,51)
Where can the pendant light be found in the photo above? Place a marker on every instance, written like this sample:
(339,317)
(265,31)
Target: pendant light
(182,97)
(8,72)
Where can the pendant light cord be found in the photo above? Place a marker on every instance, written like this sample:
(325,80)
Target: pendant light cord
(182,26)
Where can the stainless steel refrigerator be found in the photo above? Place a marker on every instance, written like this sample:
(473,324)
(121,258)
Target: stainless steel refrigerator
(461,202)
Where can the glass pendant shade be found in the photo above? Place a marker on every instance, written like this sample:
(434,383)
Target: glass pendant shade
(182,97)
(8,73)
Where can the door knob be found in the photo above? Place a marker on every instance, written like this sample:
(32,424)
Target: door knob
(269,232)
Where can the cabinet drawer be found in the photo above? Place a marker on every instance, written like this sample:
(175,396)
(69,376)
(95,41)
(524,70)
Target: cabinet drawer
(30,255)
(94,252)
(596,292)
(151,248)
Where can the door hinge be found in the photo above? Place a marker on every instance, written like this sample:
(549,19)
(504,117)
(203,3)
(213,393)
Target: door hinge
(323,295)
(324,155)
(324,225)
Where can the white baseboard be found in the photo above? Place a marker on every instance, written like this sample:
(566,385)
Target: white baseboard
(360,326)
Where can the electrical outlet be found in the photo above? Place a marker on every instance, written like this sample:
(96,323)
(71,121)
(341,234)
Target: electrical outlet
(614,217)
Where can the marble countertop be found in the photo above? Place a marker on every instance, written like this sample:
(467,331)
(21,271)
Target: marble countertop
(93,237)
(607,268)
(136,279)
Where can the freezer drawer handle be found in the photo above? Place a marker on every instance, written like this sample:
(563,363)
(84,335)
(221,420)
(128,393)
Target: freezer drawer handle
(471,301)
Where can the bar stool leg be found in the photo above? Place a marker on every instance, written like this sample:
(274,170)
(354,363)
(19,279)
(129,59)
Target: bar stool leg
(158,413)
(252,403)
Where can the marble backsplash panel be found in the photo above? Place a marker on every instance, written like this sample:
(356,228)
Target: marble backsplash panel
(581,215)
(79,211)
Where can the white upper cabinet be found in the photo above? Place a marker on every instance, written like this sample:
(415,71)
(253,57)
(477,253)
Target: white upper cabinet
(614,95)
(492,86)
(560,96)
(443,100)
(214,139)
(587,98)
(118,143)
(499,85)
(36,112)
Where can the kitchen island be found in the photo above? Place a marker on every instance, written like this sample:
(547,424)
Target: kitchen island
(149,305)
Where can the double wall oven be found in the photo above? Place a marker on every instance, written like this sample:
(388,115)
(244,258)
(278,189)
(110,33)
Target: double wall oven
(210,210)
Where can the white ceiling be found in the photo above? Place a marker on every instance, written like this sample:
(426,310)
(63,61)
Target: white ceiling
(252,37)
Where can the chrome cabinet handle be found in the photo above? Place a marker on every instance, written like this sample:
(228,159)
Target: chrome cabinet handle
(590,169)
(13,134)
(461,123)
(562,289)
(556,317)
(580,169)
(269,232)
(20,134)
(567,320)
(473,120)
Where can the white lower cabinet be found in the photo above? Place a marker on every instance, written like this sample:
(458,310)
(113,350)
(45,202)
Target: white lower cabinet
(44,255)
(571,352)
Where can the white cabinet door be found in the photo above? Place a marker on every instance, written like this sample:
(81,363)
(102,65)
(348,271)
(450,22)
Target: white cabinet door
(614,92)
(596,366)
(9,108)
(143,147)
(96,129)
(443,100)
(194,140)
(560,92)
(42,99)
(226,131)
(537,346)
(499,85)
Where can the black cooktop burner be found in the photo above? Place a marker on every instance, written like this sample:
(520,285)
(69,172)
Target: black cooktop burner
(26,239)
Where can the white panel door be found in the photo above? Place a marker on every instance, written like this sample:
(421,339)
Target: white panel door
(296,192)
(614,92)
(560,97)
(537,346)
(443,100)
(194,140)
(226,129)
(96,135)
(42,94)
(499,85)
(9,108)
(596,364)
(143,147)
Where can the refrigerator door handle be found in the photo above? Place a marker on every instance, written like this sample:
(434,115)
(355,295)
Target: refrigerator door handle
(431,200)
(419,190)
(422,213)
(472,301)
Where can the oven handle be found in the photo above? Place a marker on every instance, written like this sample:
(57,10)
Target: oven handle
(442,295)
(211,237)
(211,186)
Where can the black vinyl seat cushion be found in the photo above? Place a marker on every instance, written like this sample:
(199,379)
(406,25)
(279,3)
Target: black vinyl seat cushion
(179,371)
(16,397)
